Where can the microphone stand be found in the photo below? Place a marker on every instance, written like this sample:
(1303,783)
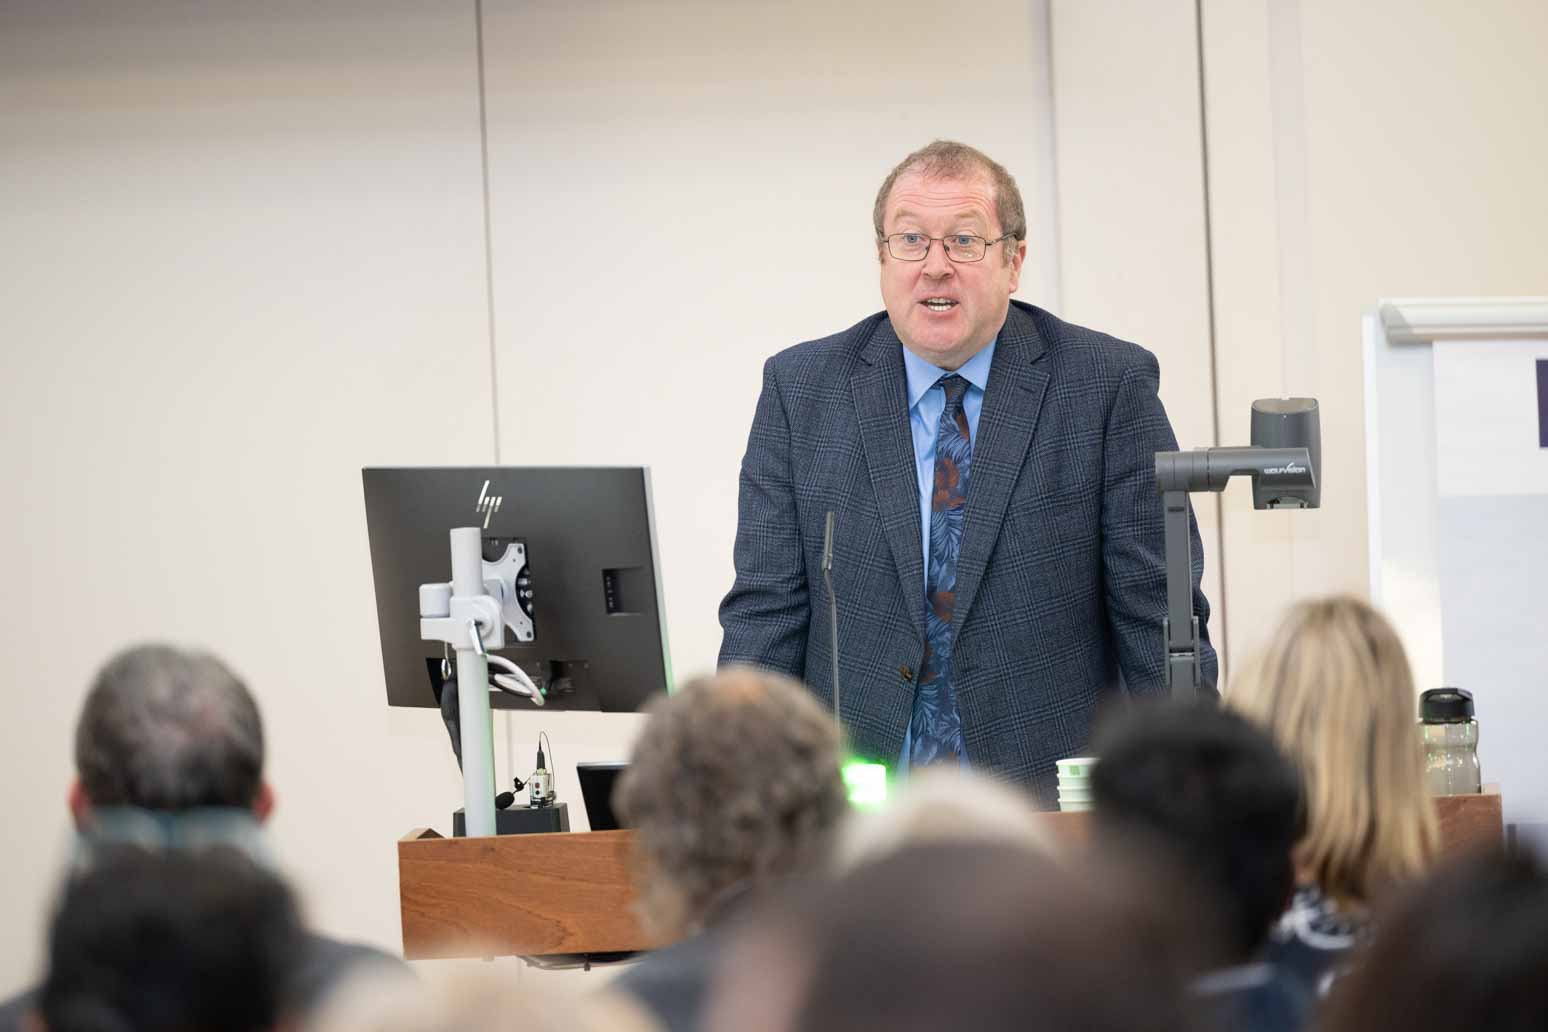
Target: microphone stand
(827,577)
(864,781)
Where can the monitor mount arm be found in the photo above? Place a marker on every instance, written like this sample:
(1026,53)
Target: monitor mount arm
(471,614)
(1284,462)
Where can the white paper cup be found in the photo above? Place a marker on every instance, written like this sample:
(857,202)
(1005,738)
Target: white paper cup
(1076,766)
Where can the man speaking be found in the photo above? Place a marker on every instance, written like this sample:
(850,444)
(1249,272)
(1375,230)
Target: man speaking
(998,543)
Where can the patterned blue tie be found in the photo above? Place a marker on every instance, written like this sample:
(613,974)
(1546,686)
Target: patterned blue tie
(936,730)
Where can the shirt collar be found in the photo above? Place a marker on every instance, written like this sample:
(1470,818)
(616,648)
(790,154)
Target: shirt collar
(923,375)
(110,827)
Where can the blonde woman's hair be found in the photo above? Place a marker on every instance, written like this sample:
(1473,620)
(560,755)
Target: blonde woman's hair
(1335,690)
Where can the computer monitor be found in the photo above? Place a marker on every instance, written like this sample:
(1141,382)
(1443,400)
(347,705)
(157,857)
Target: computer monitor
(597,781)
(598,628)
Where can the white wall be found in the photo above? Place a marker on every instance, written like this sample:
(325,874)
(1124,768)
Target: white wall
(244,256)
(679,190)
(1132,232)
(1356,152)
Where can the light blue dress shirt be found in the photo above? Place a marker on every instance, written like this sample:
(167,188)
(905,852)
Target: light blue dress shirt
(926,401)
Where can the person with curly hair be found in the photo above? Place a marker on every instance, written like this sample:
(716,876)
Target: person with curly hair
(734,786)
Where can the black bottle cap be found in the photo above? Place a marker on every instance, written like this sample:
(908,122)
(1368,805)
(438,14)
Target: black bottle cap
(1445,705)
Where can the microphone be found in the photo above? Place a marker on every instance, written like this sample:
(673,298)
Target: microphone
(827,545)
(827,577)
(541,784)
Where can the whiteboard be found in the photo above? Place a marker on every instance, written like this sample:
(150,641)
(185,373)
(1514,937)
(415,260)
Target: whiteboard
(1457,501)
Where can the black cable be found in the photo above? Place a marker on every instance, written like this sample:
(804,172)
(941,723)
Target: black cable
(543,737)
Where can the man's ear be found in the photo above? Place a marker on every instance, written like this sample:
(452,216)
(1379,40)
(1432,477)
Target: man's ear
(263,802)
(80,806)
(1018,256)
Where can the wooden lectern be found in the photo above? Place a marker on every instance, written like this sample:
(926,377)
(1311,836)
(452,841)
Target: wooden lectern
(529,895)
(570,893)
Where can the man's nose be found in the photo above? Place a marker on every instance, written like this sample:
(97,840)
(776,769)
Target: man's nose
(936,264)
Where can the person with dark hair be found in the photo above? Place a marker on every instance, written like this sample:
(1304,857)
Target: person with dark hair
(733,787)
(153,941)
(989,471)
(992,937)
(1208,798)
(1465,949)
(169,754)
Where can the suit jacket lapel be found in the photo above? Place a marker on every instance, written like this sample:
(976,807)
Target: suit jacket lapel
(881,403)
(1012,401)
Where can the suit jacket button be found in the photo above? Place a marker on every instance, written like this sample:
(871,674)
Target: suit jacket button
(906,672)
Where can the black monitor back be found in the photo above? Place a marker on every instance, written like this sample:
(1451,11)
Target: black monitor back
(599,634)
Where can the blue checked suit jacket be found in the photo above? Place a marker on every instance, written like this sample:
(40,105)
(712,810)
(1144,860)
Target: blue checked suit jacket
(1061,583)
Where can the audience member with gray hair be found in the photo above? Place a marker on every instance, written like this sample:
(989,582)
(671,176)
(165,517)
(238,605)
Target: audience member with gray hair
(734,786)
(164,729)
(169,752)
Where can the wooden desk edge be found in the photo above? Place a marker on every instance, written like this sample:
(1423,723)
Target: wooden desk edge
(1464,820)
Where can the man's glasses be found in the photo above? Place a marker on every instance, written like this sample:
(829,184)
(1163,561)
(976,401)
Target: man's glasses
(960,247)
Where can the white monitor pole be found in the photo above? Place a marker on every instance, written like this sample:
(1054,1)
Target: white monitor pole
(478,779)
(466,616)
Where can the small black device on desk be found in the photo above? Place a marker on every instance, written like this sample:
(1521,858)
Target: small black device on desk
(521,820)
(543,815)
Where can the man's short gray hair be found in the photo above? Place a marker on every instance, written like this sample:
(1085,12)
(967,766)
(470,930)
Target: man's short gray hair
(948,159)
(165,729)
(735,782)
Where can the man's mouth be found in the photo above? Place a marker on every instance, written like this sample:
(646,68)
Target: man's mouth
(939,304)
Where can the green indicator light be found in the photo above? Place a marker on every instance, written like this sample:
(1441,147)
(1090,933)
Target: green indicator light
(866,783)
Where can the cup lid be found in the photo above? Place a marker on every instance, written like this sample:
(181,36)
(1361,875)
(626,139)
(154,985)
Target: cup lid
(1445,705)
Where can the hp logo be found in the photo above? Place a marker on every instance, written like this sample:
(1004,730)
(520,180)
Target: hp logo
(488,504)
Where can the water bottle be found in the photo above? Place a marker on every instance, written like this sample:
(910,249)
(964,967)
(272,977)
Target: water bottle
(1450,737)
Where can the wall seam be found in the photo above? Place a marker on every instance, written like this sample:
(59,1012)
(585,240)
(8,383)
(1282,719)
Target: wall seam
(1216,498)
(1051,192)
(1287,108)
(494,365)
(483,146)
